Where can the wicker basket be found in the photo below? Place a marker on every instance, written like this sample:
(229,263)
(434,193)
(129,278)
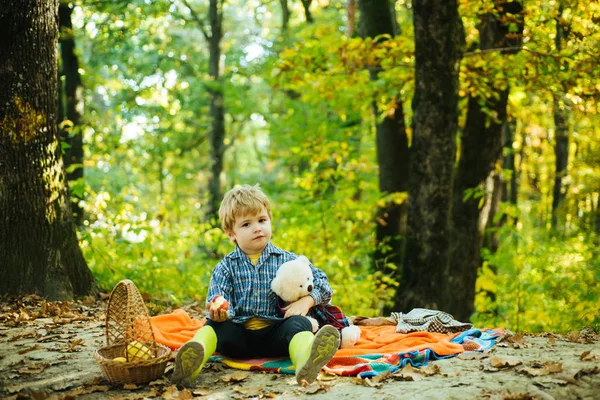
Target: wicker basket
(129,335)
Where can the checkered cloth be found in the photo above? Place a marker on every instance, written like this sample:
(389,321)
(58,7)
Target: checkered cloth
(325,315)
(424,320)
(329,315)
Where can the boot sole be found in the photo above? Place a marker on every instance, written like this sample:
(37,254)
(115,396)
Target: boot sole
(324,346)
(188,360)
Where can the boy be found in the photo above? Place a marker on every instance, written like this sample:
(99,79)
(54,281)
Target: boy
(253,325)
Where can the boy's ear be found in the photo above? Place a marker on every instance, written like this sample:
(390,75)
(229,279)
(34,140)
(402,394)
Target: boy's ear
(230,235)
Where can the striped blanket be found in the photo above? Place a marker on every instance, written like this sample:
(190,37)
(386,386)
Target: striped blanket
(380,349)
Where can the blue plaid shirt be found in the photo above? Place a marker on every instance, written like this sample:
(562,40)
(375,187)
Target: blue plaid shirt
(247,288)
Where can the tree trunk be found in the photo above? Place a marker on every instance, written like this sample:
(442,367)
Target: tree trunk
(307,13)
(39,252)
(508,164)
(392,150)
(285,15)
(217,108)
(73,136)
(438,49)
(351,15)
(481,147)
(561,134)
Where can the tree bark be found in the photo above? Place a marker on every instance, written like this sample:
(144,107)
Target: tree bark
(285,15)
(351,15)
(481,147)
(561,134)
(438,50)
(39,252)
(392,151)
(73,136)
(306,5)
(217,107)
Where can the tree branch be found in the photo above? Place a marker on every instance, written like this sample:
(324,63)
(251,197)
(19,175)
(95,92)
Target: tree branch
(198,19)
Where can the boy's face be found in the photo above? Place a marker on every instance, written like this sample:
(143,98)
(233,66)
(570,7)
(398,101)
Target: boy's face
(251,232)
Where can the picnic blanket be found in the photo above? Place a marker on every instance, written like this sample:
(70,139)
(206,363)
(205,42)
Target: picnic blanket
(379,349)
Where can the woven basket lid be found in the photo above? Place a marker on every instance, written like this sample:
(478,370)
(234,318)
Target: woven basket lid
(127,321)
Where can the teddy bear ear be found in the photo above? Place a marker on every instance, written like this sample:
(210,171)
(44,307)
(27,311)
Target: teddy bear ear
(275,285)
(303,259)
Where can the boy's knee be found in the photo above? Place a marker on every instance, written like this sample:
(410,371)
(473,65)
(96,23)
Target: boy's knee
(299,323)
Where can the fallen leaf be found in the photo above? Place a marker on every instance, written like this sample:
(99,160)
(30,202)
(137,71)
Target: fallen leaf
(237,376)
(587,371)
(553,367)
(473,355)
(170,393)
(432,369)
(518,338)
(534,371)
(203,391)
(324,377)
(408,373)
(587,356)
(249,391)
(130,386)
(573,337)
(316,387)
(33,368)
(504,361)
(27,350)
(73,345)
(185,394)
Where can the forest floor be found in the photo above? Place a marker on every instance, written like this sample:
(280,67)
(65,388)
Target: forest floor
(46,352)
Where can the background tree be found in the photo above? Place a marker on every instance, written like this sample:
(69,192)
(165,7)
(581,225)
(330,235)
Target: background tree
(377,22)
(561,124)
(213,33)
(71,96)
(39,252)
(438,49)
(480,149)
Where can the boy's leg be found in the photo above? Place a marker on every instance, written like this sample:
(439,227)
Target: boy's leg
(192,356)
(310,353)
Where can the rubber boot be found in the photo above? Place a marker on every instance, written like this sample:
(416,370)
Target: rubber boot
(309,353)
(192,356)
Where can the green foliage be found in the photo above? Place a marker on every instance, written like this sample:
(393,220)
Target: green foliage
(299,122)
(537,281)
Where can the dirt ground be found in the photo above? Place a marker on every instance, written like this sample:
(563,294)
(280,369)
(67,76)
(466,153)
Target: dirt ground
(46,352)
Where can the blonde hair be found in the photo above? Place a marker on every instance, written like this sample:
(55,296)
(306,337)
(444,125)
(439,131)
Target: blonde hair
(242,200)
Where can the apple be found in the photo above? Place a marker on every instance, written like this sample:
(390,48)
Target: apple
(219,304)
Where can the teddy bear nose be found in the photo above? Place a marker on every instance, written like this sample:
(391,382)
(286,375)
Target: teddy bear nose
(309,288)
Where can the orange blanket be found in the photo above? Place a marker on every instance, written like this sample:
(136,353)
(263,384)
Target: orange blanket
(174,329)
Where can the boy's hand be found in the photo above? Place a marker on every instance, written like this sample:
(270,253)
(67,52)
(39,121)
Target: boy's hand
(299,307)
(217,315)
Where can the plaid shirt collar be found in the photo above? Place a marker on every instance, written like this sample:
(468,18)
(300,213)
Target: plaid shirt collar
(269,249)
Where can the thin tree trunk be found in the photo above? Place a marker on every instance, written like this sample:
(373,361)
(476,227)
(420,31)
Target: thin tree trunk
(306,5)
(561,133)
(217,107)
(74,103)
(213,36)
(392,150)
(438,50)
(285,15)
(39,252)
(481,147)
(508,164)
(351,15)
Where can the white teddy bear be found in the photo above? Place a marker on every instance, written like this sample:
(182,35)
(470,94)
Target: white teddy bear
(294,280)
